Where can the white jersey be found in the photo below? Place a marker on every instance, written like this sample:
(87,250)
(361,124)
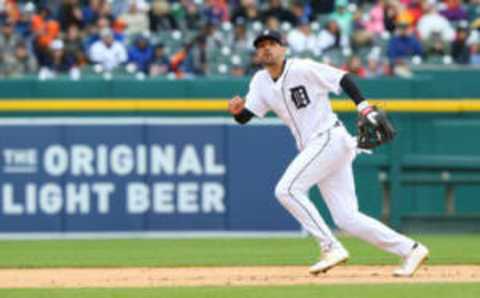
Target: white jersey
(299,97)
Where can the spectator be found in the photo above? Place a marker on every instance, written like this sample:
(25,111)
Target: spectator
(70,13)
(136,20)
(107,52)
(354,65)
(375,22)
(187,15)
(19,64)
(474,36)
(59,61)
(240,39)
(73,45)
(344,19)
(215,12)
(302,39)
(323,7)
(141,54)
(329,37)
(178,59)
(391,12)
(93,34)
(276,9)
(434,46)
(91,12)
(23,25)
(415,10)
(213,37)
(160,65)
(460,50)
(454,11)
(403,45)
(404,15)
(247,12)
(10,10)
(160,17)
(301,11)
(8,38)
(45,28)
(121,7)
(360,37)
(375,67)
(52,5)
(272,23)
(432,22)
(473,10)
(105,10)
(475,57)
(196,63)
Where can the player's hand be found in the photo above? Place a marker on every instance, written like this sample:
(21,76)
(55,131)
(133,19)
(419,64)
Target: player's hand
(374,128)
(236,105)
(371,114)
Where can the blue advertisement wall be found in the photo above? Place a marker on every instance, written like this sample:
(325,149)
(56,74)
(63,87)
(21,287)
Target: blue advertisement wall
(141,174)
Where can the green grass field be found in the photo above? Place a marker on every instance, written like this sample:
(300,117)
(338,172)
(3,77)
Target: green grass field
(445,249)
(334,291)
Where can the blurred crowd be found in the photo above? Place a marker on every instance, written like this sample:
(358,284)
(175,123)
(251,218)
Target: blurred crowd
(192,38)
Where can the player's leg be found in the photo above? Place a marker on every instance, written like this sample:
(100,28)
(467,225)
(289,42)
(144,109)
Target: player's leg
(292,188)
(291,191)
(338,191)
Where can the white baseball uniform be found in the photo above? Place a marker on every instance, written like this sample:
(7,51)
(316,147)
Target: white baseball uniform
(300,98)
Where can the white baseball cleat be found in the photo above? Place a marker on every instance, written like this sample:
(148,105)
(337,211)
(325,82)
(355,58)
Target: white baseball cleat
(329,260)
(413,261)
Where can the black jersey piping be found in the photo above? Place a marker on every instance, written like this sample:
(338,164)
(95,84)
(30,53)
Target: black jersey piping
(286,105)
(298,175)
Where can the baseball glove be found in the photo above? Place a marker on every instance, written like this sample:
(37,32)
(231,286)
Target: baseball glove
(374,128)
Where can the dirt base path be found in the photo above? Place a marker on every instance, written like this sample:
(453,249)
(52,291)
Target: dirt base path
(224,276)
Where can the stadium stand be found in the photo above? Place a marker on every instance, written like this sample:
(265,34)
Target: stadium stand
(191,38)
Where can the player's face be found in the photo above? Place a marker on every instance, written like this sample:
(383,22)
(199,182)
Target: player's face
(270,52)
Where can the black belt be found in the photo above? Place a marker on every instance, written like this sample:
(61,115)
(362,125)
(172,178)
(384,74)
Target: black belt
(337,123)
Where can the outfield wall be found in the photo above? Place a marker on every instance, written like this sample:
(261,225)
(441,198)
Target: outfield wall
(448,84)
(141,174)
(77,156)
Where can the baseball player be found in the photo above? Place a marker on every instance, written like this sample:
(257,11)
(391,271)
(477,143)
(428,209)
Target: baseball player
(296,90)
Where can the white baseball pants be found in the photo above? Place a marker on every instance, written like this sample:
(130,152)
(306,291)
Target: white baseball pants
(326,161)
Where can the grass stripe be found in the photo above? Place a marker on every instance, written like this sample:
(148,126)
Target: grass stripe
(429,290)
(445,249)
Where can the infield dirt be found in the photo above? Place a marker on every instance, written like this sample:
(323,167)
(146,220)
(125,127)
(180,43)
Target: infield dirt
(224,276)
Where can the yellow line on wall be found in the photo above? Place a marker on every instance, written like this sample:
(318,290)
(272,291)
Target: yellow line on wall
(205,105)
(113,105)
(428,106)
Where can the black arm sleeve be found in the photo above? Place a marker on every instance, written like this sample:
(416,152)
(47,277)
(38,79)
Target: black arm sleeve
(349,86)
(244,116)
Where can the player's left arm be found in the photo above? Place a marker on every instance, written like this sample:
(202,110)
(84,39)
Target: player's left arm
(376,117)
(352,90)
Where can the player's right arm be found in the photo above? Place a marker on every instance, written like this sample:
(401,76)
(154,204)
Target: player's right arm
(254,105)
(236,107)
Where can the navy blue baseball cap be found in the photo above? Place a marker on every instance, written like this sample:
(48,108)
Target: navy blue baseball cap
(268,35)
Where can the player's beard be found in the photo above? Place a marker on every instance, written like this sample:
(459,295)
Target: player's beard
(268,60)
